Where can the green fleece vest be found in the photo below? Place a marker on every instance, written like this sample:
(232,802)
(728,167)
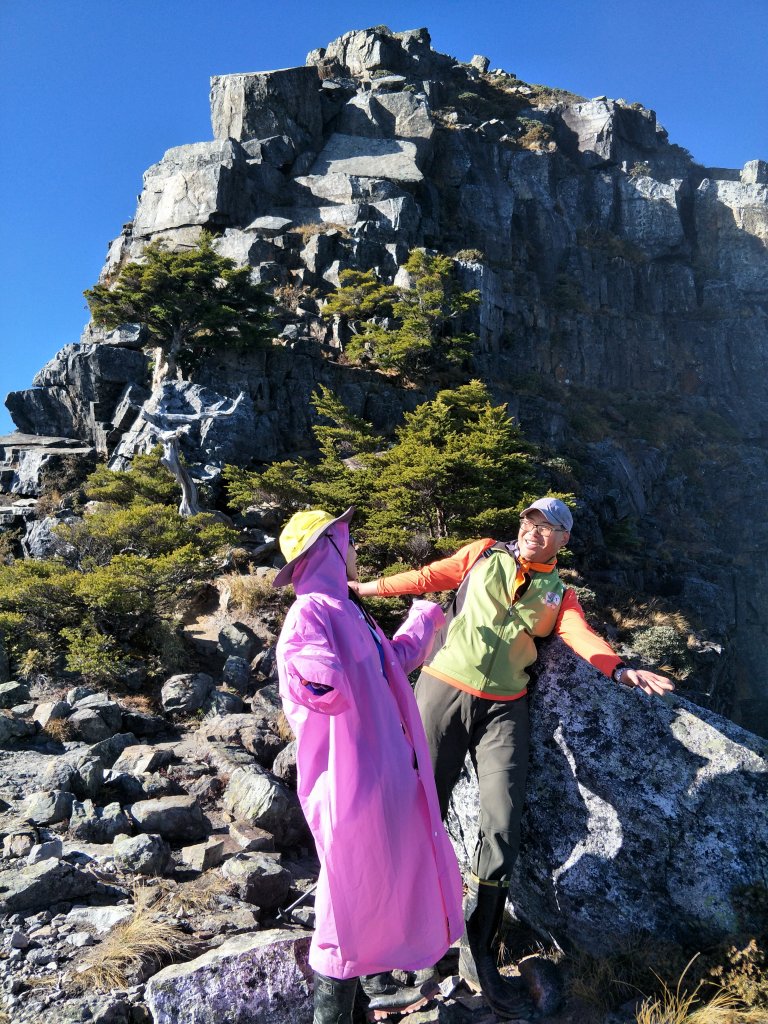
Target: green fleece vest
(489,644)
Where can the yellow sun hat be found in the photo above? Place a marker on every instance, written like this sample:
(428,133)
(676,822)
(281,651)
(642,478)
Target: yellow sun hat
(300,533)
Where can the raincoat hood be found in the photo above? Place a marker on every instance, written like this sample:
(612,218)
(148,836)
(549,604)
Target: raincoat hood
(323,569)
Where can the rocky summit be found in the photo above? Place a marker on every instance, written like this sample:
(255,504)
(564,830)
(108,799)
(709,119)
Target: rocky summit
(621,316)
(623,291)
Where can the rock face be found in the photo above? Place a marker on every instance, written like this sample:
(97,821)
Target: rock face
(263,977)
(271,103)
(624,273)
(641,814)
(76,393)
(40,885)
(254,797)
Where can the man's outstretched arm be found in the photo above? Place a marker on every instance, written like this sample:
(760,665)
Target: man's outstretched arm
(573,628)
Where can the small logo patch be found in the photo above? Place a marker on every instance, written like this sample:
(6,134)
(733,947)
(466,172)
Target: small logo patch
(552,599)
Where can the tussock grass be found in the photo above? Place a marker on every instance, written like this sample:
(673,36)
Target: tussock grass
(284,730)
(60,730)
(652,613)
(692,1006)
(140,942)
(141,703)
(320,228)
(250,591)
(201,895)
(642,968)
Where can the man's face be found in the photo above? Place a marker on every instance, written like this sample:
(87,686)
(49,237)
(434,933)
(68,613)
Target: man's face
(534,545)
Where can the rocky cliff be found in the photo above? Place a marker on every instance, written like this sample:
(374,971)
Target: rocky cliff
(622,315)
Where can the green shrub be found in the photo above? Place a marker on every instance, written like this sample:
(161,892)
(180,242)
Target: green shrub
(116,601)
(662,646)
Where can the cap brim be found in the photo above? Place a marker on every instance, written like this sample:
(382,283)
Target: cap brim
(284,576)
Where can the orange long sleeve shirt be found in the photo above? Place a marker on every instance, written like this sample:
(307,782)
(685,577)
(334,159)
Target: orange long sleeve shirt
(448,574)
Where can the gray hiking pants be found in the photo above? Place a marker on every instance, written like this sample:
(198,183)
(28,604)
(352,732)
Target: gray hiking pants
(495,735)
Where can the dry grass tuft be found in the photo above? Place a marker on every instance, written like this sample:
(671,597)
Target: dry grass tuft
(201,895)
(141,703)
(60,730)
(283,727)
(642,968)
(320,228)
(251,591)
(129,948)
(683,1006)
(41,981)
(652,613)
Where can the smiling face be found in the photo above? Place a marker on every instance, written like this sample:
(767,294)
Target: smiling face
(534,545)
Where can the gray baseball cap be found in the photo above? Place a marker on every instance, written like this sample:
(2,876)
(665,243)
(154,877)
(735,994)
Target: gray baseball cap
(556,512)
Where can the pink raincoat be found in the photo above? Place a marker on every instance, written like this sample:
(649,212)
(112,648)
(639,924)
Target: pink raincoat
(389,891)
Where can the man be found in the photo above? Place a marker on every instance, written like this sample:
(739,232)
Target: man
(389,891)
(472,695)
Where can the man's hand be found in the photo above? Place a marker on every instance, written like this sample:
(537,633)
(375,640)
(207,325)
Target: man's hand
(363,589)
(649,682)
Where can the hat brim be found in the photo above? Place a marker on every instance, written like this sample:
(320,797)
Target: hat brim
(284,576)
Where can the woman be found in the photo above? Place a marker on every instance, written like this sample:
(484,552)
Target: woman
(389,890)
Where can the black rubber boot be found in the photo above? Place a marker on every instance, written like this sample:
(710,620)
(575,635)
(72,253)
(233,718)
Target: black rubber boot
(387,995)
(334,999)
(483,913)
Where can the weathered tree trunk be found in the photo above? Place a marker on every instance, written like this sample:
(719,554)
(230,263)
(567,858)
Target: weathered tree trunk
(165,356)
(190,506)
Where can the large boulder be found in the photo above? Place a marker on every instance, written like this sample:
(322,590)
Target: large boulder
(144,854)
(268,103)
(186,693)
(173,817)
(12,693)
(211,437)
(364,52)
(51,881)
(394,159)
(202,184)
(26,458)
(47,807)
(77,392)
(263,977)
(642,814)
(387,115)
(256,797)
(97,824)
(14,729)
(259,878)
(603,131)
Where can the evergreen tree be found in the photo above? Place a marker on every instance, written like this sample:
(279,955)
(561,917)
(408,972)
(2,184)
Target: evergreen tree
(427,314)
(458,469)
(191,302)
(360,296)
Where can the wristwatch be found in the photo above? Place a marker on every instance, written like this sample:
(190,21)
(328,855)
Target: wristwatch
(619,675)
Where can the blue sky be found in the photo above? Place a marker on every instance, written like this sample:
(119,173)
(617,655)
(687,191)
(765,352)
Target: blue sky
(92,92)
